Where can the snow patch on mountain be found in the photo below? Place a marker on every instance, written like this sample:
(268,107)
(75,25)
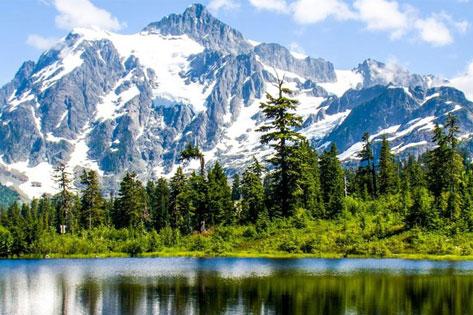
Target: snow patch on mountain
(39,177)
(346,80)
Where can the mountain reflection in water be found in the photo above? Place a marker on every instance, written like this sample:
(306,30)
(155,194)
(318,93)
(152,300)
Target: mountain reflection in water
(235,286)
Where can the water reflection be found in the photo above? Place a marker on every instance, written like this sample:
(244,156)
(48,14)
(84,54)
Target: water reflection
(235,286)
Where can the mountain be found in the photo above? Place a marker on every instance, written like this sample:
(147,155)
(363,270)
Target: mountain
(118,103)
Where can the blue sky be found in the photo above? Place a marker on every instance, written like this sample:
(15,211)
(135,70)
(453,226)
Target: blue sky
(426,36)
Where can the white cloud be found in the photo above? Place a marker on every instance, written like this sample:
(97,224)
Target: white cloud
(270,5)
(217,5)
(464,82)
(40,42)
(83,13)
(387,16)
(434,31)
(382,15)
(462,26)
(315,11)
(75,13)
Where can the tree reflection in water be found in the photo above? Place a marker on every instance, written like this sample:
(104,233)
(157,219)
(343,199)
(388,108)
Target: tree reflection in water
(40,290)
(281,293)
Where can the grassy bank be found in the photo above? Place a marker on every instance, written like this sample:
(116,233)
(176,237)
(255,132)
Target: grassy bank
(378,236)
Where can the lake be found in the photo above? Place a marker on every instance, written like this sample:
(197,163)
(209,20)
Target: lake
(235,286)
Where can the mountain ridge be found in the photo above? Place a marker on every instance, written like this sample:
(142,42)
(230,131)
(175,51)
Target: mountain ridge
(118,103)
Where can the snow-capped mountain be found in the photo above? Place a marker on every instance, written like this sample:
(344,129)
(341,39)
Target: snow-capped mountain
(117,103)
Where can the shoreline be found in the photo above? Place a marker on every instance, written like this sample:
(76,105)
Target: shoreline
(275,255)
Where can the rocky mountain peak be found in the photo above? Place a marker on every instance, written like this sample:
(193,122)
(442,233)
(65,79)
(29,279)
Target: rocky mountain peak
(199,24)
(378,73)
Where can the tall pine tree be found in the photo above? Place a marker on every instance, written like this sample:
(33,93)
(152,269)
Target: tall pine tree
(64,199)
(159,195)
(252,192)
(131,209)
(366,170)
(92,204)
(219,202)
(280,133)
(179,202)
(308,193)
(388,174)
(236,190)
(332,181)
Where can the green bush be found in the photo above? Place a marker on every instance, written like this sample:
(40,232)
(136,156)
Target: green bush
(310,246)
(289,246)
(134,247)
(170,237)
(154,242)
(300,220)
(218,246)
(250,232)
(199,243)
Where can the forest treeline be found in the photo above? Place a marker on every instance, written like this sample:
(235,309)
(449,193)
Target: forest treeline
(335,209)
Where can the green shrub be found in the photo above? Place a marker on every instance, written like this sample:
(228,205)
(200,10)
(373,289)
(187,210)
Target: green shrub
(218,246)
(134,247)
(199,243)
(250,232)
(289,246)
(170,237)
(310,246)
(154,242)
(300,220)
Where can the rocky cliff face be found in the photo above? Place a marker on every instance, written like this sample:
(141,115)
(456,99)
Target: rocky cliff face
(117,103)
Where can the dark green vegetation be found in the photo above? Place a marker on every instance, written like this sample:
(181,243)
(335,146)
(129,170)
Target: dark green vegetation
(301,203)
(7,196)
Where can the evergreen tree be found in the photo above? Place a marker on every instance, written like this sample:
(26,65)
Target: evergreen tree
(64,199)
(437,172)
(308,193)
(252,192)
(445,169)
(333,183)
(193,152)
(421,213)
(219,202)
(280,133)
(236,190)
(151,203)
(388,175)
(367,171)
(467,201)
(30,226)
(47,213)
(197,194)
(15,224)
(161,200)
(91,201)
(130,207)
(415,173)
(405,191)
(179,201)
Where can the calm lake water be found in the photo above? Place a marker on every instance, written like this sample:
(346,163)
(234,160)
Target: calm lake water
(235,286)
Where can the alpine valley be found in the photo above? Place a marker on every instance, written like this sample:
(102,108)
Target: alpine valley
(117,103)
